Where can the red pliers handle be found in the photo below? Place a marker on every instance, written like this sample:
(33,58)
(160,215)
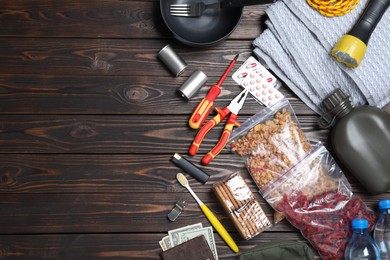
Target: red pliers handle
(222,113)
(231,122)
(233,109)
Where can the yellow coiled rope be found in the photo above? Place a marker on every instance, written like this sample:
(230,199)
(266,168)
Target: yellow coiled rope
(333,7)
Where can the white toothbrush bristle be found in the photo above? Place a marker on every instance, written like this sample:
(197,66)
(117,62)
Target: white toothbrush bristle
(182,179)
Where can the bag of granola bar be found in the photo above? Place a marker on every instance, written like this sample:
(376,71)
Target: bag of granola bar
(316,198)
(270,142)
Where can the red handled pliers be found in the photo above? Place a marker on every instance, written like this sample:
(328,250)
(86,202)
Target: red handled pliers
(233,108)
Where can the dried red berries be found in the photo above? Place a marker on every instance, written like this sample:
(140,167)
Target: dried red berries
(325,219)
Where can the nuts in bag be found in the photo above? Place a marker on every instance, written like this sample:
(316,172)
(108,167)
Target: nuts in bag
(316,198)
(271,142)
(241,206)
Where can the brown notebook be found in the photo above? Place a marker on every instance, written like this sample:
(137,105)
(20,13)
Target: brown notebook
(194,249)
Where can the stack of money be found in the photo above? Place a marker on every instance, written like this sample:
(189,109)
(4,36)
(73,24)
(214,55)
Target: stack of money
(183,234)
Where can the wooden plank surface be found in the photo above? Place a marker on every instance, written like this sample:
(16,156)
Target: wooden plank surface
(101,19)
(89,121)
(112,246)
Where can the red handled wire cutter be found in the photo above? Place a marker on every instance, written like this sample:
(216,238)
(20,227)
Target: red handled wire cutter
(233,108)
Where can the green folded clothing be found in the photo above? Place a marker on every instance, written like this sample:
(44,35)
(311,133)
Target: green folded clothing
(279,250)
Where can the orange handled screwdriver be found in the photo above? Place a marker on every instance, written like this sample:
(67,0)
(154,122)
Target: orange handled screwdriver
(233,108)
(202,110)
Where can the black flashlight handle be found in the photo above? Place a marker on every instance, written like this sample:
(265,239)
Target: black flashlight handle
(369,19)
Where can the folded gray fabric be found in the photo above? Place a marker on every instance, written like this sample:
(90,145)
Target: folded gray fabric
(297,46)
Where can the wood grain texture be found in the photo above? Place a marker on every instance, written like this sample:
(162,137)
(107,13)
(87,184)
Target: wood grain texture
(105,134)
(117,246)
(94,19)
(101,19)
(90,118)
(115,57)
(90,174)
(133,212)
(127,95)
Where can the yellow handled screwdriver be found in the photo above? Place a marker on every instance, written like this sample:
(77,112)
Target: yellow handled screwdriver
(210,216)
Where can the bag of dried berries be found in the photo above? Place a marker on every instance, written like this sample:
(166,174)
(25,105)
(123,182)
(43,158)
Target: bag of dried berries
(316,198)
(270,142)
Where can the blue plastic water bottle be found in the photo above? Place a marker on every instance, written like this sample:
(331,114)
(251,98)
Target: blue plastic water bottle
(361,245)
(382,229)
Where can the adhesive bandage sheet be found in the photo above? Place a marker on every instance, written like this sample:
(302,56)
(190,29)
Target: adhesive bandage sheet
(260,83)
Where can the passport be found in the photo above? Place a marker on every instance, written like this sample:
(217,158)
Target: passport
(193,249)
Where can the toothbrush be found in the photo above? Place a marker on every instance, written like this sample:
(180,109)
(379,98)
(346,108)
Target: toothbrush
(210,216)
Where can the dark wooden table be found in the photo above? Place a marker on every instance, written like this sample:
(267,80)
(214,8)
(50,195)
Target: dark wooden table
(89,120)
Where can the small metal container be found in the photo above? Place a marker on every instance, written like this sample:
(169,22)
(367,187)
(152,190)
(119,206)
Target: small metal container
(191,86)
(172,60)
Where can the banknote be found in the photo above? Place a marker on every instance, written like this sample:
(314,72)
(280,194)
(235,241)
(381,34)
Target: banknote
(165,243)
(162,245)
(207,232)
(175,233)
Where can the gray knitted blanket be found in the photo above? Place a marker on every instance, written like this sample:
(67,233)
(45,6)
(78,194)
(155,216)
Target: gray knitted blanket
(297,45)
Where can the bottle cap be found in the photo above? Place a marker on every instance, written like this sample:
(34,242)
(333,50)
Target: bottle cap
(359,223)
(335,99)
(384,204)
